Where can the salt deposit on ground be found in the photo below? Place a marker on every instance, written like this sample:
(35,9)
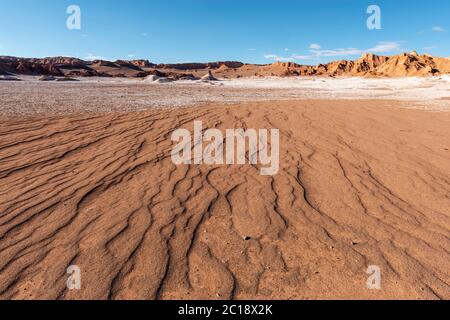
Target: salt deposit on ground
(32,96)
(412,88)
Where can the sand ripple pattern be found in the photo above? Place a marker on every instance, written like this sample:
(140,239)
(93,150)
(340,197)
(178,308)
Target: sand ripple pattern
(358,186)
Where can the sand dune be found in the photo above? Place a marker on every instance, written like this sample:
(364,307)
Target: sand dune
(361,183)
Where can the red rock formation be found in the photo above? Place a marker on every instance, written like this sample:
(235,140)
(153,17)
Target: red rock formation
(143,63)
(407,64)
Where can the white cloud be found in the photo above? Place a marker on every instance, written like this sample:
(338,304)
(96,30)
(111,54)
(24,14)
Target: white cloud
(317,52)
(438,29)
(385,46)
(91,57)
(278,58)
(131,55)
(300,57)
(315,46)
(430,47)
(336,52)
(381,47)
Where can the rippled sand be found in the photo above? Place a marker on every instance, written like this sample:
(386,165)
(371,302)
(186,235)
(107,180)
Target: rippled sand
(361,183)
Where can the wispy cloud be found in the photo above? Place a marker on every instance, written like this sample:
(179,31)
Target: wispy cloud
(131,56)
(336,52)
(315,46)
(438,29)
(316,52)
(305,57)
(381,47)
(277,57)
(92,56)
(385,46)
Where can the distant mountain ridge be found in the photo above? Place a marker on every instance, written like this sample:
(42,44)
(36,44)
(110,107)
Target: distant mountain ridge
(403,65)
(369,65)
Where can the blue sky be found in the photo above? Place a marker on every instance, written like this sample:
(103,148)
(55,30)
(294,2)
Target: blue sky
(257,31)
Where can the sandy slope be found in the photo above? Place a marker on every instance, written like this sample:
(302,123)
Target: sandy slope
(360,184)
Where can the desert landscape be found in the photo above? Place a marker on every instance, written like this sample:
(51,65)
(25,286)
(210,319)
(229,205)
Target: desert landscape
(87,179)
(368,65)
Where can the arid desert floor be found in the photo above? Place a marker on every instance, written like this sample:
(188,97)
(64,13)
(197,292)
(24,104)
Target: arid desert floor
(86,179)
(33,97)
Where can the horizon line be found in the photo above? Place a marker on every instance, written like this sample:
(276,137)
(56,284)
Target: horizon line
(216,61)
